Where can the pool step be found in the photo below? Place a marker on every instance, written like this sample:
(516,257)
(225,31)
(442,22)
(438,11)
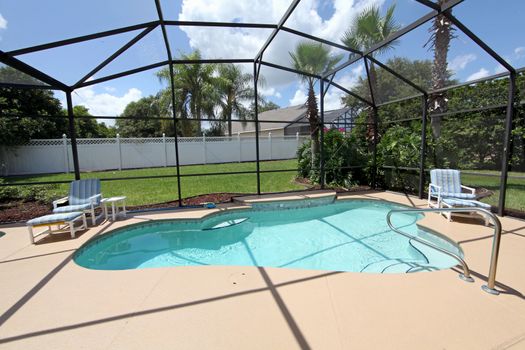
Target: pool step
(398,266)
(433,257)
(388,266)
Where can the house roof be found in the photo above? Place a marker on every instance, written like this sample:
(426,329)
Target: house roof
(285,115)
(329,116)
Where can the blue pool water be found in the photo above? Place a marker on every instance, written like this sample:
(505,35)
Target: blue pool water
(344,236)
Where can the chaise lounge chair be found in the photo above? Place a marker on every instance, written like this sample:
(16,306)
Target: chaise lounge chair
(446,183)
(446,188)
(84,196)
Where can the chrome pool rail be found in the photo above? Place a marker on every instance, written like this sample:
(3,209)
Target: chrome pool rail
(491,282)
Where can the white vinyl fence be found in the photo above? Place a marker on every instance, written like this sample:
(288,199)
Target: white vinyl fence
(54,155)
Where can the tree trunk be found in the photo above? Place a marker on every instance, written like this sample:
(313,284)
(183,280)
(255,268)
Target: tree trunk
(441,29)
(313,118)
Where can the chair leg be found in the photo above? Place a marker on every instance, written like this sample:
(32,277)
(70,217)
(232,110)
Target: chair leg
(84,221)
(93,217)
(31,237)
(72,228)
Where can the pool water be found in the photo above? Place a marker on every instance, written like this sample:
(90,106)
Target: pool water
(347,235)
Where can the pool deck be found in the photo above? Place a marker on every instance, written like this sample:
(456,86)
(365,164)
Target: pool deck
(49,302)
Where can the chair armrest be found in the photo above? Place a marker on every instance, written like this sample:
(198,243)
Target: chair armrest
(95,198)
(57,201)
(437,189)
(472,190)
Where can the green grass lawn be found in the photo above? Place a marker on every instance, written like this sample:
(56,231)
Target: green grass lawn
(515,197)
(149,191)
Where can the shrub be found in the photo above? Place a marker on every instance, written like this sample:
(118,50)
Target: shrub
(399,147)
(340,152)
(38,193)
(8,193)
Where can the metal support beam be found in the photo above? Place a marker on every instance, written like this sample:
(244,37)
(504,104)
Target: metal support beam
(28,86)
(322,41)
(256,118)
(7,59)
(374,150)
(325,91)
(507,144)
(387,41)
(164,32)
(375,123)
(370,85)
(72,134)
(395,36)
(82,38)
(281,23)
(114,55)
(365,101)
(423,148)
(479,42)
(321,137)
(174,111)
(397,75)
(329,81)
(123,74)
(220,24)
(160,64)
(430,4)
(291,70)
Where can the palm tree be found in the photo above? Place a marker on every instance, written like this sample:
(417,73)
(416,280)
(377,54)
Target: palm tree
(234,88)
(367,29)
(315,59)
(441,33)
(194,89)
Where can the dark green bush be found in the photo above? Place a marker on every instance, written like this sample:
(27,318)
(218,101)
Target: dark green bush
(38,193)
(340,152)
(8,193)
(399,148)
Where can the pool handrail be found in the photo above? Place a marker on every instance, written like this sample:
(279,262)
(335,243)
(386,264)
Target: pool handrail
(490,286)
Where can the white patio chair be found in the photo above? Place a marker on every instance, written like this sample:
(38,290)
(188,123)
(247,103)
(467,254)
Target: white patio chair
(84,196)
(446,183)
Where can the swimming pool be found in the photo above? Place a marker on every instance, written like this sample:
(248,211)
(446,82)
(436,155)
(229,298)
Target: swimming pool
(349,235)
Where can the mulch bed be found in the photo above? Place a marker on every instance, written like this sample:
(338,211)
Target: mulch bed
(22,211)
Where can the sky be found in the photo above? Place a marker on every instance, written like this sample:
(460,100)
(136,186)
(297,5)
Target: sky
(30,22)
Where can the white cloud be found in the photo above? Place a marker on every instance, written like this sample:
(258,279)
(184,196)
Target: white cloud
(265,91)
(519,52)
(243,43)
(109,88)
(104,104)
(460,62)
(299,98)
(332,99)
(482,73)
(3,22)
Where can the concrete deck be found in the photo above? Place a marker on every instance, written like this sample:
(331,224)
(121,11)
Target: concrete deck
(48,302)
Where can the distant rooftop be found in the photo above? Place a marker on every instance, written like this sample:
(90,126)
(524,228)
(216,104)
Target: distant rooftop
(288,114)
